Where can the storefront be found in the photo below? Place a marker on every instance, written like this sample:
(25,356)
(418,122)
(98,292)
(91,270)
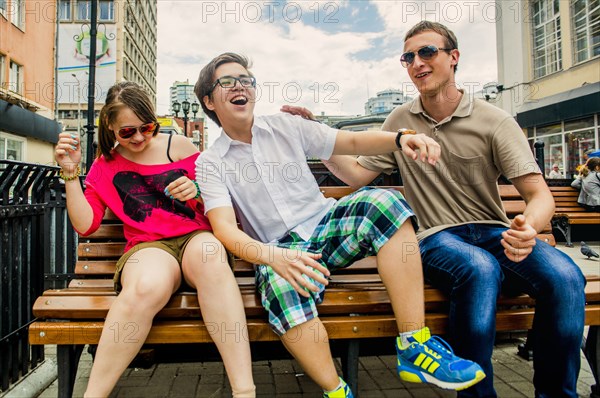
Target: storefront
(26,135)
(567,123)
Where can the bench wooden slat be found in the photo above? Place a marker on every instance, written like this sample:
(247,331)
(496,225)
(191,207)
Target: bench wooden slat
(195,331)
(108,231)
(79,303)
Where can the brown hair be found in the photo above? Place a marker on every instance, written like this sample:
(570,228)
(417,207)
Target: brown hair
(591,165)
(122,95)
(205,81)
(450,40)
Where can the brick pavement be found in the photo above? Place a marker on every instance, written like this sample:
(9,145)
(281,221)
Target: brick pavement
(285,378)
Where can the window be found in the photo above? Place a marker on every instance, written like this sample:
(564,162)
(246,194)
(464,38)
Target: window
(550,129)
(84,10)
(553,152)
(65,10)
(18,13)
(547,49)
(585,24)
(107,10)
(11,147)
(15,82)
(578,143)
(3,7)
(2,71)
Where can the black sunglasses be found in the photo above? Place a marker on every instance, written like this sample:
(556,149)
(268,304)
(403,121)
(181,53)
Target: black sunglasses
(426,53)
(229,82)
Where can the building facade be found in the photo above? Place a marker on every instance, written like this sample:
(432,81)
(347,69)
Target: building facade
(181,91)
(125,51)
(385,102)
(549,75)
(28,130)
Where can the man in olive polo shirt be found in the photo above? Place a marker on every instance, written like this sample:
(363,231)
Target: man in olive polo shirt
(470,249)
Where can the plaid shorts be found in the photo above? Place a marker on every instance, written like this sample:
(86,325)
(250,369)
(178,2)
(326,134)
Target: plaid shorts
(357,226)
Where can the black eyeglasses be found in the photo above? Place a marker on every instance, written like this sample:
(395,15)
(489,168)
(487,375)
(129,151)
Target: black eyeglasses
(145,129)
(229,82)
(425,53)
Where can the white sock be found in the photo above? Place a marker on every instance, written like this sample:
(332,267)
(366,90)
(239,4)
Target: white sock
(342,382)
(404,338)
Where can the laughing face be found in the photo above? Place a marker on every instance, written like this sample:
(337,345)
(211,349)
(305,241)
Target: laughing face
(434,75)
(234,103)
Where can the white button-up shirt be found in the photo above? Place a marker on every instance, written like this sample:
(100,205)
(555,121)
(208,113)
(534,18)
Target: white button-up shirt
(269,182)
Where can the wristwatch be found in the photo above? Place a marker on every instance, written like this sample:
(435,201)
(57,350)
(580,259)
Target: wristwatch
(402,132)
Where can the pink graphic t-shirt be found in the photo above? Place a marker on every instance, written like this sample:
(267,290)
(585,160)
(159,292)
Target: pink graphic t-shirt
(135,193)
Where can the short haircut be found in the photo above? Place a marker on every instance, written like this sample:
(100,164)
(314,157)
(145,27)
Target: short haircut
(205,81)
(450,40)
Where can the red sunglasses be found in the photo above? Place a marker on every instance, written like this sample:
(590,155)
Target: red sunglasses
(145,129)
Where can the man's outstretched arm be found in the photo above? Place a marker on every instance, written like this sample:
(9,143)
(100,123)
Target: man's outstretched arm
(347,169)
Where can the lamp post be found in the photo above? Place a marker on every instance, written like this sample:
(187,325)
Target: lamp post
(185,107)
(78,104)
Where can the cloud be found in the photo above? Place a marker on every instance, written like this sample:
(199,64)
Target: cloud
(329,56)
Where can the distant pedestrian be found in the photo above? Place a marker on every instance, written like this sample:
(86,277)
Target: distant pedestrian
(555,172)
(588,182)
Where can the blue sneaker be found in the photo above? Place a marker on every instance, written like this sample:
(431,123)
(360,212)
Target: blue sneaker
(431,360)
(342,392)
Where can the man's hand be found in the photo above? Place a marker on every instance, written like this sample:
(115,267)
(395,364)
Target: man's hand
(298,111)
(295,265)
(519,240)
(429,149)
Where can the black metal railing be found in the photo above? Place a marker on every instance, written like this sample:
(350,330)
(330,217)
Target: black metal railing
(36,240)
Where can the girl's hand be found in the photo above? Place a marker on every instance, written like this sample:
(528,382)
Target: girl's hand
(182,189)
(68,152)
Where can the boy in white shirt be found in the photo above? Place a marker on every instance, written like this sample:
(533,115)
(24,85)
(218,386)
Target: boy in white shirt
(258,165)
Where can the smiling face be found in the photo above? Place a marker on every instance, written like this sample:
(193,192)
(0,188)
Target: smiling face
(234,106)
(137,142)
(435,75)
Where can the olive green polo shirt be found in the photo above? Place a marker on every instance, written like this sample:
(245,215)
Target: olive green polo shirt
(479,142)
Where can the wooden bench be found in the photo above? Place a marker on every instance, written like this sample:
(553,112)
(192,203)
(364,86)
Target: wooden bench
(568,212)
(356,305)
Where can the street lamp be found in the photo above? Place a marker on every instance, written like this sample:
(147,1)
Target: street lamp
(185,107)
(78,104)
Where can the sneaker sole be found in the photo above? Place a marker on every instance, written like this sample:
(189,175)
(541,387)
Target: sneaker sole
(412,376)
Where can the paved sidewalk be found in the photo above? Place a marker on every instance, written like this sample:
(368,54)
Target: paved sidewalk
(284,378)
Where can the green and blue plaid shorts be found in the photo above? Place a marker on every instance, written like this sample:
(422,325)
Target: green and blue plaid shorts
(357,226)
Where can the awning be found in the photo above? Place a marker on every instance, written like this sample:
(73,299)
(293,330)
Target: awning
(579,102)
(23,122)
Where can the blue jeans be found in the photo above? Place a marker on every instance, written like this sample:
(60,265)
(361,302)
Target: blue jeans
(468,263)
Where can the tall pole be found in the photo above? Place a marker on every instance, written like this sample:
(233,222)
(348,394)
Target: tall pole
(91,84)
(78,104)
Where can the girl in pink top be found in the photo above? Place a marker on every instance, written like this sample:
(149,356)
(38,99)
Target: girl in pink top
(147,180)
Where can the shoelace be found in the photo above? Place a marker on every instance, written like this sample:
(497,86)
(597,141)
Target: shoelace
(438,345)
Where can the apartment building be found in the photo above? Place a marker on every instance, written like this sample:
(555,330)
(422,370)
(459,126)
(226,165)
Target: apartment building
(385,101)
(549,75)
(28,130)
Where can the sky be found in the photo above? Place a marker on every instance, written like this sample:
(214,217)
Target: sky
(329,56)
